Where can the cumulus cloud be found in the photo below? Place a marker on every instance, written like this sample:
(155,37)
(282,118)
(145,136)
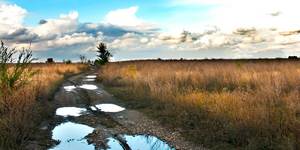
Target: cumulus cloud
(124,17)
(18,32)
(245,33)
(175,37)
(215,40)
(75,38)
(65,24)
(12,16)
(67,31)
(287,40)
(144,40)
(289,32)
(155,42)
(130,35)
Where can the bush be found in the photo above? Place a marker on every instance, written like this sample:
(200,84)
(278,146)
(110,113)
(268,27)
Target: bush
(68,61)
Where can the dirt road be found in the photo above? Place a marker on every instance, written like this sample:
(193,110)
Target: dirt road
(87,117)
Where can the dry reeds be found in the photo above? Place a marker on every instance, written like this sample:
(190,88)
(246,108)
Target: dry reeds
(22,110)
(244,104)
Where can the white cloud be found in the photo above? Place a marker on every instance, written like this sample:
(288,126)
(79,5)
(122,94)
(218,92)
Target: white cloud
(283,40)
(12,15)
(155,42)
(11,18)
(234,25)
(75,38)
(130,35)
(176,36)
(63,25)
(275,47)
(144,40)
(124,17)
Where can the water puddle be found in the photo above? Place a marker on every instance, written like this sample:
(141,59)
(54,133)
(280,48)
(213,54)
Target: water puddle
(70,111)
(93,108)
(84,86)
(89,86)
(88,79)
(72,136)
(141,142)
(109,108)
(98,92)
(69,88)
(91,76)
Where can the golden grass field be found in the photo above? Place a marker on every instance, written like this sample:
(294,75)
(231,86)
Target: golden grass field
(23,110)
(221,104)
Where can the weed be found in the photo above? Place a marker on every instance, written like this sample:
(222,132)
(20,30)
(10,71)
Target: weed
(215,101)
(24,90)
(239,63)
(131,71)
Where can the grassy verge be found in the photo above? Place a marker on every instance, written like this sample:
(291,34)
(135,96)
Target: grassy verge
(221,104)
(29,105)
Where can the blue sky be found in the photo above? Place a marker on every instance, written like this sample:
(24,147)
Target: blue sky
(152,29)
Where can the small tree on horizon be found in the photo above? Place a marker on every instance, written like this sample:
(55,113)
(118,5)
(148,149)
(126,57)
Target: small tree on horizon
(82,58)
(104,54)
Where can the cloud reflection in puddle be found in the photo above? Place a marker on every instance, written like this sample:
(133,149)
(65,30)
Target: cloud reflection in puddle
(88,79)
(109,108)
(89,86)
(91,76)
(93,108)
(70,111)
(140,142)
(71,136)
(69,88)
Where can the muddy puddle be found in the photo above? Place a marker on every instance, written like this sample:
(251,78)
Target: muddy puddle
(89,86)
(75,111)
(84,86)
(69,88)
(109,107)
(91,76)
(139,142)
(88,80)
(70,111)
(72,137)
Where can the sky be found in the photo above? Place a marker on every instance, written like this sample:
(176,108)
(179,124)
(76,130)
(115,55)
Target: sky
(151,29)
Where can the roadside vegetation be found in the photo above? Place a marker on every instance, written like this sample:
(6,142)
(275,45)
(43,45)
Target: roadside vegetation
(25,89)
(220,104)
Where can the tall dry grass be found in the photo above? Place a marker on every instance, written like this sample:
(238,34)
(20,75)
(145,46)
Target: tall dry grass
(28,106)
(221,104)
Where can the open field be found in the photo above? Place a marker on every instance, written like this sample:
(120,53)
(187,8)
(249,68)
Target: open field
(222,104)
(22,110)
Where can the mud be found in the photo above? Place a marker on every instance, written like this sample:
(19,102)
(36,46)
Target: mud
(83,104)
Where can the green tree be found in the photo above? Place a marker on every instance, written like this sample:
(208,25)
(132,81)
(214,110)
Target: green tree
(104,54)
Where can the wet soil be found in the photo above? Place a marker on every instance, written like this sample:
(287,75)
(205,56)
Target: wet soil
(107,125)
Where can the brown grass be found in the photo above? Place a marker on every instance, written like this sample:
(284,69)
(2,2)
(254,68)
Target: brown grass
(27,107)
(221,104)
